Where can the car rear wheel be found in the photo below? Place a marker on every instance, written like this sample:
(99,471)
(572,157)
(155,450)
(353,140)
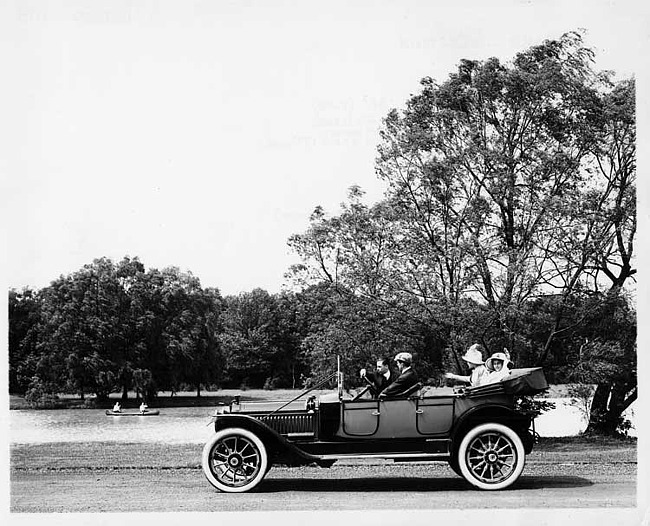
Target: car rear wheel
(235,460)
(491,456)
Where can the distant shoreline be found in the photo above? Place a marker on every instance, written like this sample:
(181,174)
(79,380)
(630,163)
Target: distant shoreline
(163,400)
(189,398)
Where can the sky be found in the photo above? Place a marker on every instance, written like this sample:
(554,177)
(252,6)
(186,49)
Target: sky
(202,135)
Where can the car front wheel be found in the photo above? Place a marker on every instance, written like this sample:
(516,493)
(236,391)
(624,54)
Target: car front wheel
(235,460)
(491,456)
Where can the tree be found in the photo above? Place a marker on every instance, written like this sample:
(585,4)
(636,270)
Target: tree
(350,251)
(24,319)
(480,166)
(250,339)
(359,330)
(506,183)
(191,334)
(614,157)
(174,330)
(80,328)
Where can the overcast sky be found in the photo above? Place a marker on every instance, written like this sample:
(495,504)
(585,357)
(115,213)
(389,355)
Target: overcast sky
(203,134)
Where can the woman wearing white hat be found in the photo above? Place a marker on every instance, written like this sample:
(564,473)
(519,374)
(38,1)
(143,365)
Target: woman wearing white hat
(474,359)
(498,366)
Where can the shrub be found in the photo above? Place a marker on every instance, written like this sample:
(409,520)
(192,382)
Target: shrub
(533,407)
(39,396)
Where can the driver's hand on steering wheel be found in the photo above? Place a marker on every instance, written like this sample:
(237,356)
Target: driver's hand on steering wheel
(362,373)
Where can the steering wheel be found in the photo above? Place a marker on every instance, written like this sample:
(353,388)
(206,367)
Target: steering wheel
(371,385)
(362,392)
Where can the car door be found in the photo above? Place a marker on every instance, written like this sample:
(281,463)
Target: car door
(397,418)
(435,415)
(360,417)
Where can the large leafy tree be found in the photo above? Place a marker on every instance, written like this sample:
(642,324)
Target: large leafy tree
(614,157)
(24,316)
(80,330)
(505,183)
(250,340)
(174,326)
(480,167)
(477,169)
(191,332)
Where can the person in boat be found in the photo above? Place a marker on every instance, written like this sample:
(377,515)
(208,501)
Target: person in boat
(143,407)
(117,408)
(498,366)
(381,377)
(478,372)
(407,376)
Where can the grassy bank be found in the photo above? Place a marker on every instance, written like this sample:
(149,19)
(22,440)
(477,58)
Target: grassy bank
(60,456)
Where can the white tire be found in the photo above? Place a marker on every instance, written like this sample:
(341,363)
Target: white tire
(491,456)
(235,460)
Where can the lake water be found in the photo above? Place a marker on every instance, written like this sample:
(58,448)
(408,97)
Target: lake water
(191,425)
(173,425)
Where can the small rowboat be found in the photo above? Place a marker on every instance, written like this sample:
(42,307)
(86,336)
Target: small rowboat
(148,412)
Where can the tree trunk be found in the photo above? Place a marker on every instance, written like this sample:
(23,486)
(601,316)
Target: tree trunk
(599,410)
(609,403)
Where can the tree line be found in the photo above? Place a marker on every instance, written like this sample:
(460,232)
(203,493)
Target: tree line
(509,219)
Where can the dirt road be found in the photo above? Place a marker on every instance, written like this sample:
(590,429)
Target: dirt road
(161,478)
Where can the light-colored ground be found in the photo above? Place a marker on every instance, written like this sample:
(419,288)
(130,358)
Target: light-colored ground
(101,477)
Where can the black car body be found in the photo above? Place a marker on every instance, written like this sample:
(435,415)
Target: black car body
(479,431)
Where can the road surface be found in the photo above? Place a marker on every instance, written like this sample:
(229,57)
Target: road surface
(101,478)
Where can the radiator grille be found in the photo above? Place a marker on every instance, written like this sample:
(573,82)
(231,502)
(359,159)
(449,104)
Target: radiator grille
(291,424)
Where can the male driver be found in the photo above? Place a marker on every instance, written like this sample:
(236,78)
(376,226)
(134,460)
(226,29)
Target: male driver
(381,378)
(406,379)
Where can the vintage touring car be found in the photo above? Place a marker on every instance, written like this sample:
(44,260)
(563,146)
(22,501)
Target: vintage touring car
(479,431)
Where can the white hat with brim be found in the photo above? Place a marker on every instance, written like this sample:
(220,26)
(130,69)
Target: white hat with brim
(497,356)
(474,356)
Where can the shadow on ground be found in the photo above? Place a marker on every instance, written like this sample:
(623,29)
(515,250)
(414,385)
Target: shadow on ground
(410,485)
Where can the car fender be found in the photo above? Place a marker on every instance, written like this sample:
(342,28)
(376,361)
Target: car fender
(279,447)
(496,412)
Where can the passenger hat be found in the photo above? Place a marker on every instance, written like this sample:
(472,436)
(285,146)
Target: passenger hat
(474,355)
(498,356)
(404,357)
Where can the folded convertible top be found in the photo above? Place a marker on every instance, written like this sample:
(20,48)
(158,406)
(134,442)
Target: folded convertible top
(528,381)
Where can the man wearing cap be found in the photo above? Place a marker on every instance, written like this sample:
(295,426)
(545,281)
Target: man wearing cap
(478,372)
(407,376)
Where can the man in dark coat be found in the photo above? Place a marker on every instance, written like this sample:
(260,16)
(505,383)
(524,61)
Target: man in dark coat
(406,379)
(381,378)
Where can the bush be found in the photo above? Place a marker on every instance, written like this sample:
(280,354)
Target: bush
(581,397)
(272,383)
(532,406)
(92,403)
(39,396)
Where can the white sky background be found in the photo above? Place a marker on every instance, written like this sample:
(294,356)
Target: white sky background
(203,134)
